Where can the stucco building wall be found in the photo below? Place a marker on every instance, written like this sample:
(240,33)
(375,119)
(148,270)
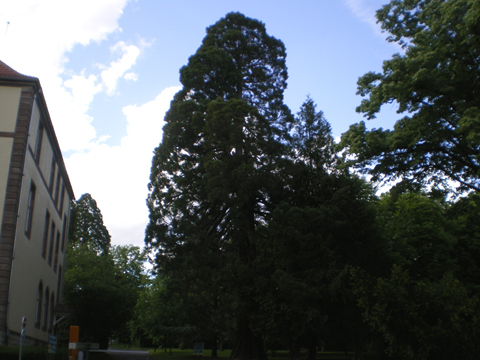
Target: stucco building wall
(35,196)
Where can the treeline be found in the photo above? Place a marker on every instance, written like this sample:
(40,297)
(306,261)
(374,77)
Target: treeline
(102,282)
(264,236)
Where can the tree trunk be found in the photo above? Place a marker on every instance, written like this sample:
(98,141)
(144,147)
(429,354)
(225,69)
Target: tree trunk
(293,350)
(214,347)
(312,346)
(247,345)
(358,347)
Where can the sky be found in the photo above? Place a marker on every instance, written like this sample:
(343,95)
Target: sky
(109,69)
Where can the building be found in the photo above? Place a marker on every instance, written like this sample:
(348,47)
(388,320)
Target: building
(35,197)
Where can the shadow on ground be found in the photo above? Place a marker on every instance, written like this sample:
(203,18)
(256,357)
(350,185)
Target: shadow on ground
(118,355)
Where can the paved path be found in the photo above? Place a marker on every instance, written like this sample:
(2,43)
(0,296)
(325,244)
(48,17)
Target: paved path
(115,354)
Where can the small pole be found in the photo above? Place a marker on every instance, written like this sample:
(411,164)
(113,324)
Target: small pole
(22,337)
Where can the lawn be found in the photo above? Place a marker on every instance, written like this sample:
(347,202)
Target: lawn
(187,354)
(280,355)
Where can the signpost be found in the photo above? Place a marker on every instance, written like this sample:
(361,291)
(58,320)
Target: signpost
(73,341)
(198,349)
(52,346)
(22,336)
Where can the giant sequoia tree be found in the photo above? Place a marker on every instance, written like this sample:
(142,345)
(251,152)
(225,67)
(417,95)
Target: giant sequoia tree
(436,84)
(214,172)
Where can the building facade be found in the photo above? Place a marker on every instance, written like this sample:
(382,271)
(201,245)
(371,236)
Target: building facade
(35,197)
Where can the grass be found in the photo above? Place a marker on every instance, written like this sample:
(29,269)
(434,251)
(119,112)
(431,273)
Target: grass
(178,354)
(187,354)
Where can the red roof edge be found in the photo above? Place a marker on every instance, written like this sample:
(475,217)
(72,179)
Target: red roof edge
(7,72)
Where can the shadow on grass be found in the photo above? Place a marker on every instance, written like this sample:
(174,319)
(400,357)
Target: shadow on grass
(178,354)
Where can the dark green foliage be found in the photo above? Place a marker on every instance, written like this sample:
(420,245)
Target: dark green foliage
(312,137)
(86,225)
(323,223)
(29,353)
(255,227)
(238,60)
(213,172)
(101,282)
(464,216)
(436,85)
(91,292)
(417,234)
(427,307)
(420,319)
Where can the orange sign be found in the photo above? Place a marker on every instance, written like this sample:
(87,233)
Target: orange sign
(73,339)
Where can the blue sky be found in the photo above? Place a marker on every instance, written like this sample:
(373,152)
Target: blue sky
(109,69)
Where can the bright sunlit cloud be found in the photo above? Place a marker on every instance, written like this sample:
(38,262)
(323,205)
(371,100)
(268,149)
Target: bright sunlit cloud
(126,168)
(47,31)
(118,68)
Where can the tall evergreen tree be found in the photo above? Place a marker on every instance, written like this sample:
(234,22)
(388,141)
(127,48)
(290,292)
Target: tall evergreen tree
(312,137)
(215,168)
(86,225)
(322,224)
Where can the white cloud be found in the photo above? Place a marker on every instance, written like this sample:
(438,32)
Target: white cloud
(125,168)
(365,10)
(116,176)
(118,68)
(83,89)
(131,76)
(47,30)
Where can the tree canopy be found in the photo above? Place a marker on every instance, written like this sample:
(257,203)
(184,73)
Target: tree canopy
(214,169)
(256,226)
(86,225)
(435,83)
(102,282)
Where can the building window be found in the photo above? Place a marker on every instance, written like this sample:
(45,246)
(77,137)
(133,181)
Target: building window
(62,199)
(57,189)
(59,282)
(30,206)
(38,307)
(45,235)
(45,309)
(52,176)
(52,240)
(38,143)
(64,234)
(52,307)
(57,244)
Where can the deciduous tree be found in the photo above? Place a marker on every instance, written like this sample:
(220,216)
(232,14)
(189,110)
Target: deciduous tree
(435,83)
(101,281)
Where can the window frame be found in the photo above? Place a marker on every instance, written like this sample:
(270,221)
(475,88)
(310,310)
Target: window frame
(46,305)
(39,142)
(38,306)
(45,234)
(30,208)
(52,242)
